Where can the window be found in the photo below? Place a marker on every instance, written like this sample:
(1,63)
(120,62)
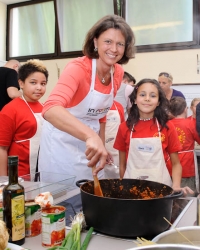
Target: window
(34,30)
(163,25)
(47,29)
(76,17)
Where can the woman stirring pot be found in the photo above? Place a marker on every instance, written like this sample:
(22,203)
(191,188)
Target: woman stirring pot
(83,95)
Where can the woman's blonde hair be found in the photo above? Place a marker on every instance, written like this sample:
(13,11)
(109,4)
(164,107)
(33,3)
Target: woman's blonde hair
(167,75)
(197,99)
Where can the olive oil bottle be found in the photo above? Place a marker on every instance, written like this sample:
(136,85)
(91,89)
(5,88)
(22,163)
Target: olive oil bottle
(13,204)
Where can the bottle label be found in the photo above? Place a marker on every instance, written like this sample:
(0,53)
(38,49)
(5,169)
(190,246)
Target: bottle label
(18,218)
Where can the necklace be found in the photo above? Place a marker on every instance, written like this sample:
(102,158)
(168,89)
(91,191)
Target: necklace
(103,79)
(145,119)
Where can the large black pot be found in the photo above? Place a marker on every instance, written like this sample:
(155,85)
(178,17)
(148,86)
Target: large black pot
(123,214)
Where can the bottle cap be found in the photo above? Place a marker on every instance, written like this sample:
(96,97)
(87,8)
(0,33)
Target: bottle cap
(13,160)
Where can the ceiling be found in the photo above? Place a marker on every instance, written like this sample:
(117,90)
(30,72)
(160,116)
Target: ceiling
(12,1)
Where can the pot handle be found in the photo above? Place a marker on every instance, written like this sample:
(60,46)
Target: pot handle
(174,195)
(79,183)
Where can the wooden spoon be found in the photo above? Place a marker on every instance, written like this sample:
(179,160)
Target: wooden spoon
(97,187)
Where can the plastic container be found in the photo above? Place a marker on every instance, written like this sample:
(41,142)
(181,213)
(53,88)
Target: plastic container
(40,182)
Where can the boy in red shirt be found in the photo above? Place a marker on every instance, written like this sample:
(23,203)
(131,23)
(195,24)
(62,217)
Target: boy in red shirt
(21,119)
(187,136)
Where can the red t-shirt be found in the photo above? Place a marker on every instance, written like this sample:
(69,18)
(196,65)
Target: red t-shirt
(187,135)
(145,129)
(18,123)
(75,81)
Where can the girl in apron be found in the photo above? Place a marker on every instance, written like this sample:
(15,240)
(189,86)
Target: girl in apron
(72,137)
(21,119)
(114,118)
(187,135)
(147,142)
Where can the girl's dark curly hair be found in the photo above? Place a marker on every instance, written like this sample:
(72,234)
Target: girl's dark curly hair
(160,112)
(105,23)
(30,67)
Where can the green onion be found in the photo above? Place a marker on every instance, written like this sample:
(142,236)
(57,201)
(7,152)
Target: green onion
(87,239)
(73,239)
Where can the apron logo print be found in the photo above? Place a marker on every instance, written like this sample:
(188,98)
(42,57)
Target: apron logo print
(109,139)
(181,135)
(142,177)
(162,136)
(145,148)
(111,119)
(94,112)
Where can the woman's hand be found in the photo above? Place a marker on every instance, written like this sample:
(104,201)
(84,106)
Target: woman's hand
(63,120)
(95,152)
(186,190)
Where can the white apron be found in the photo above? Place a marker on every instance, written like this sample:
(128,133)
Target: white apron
(112,124)
(34,140)
(146,160)
(195,167)
(62,153)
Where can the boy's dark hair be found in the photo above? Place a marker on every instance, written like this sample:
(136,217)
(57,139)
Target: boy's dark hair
(30,67)
(160,112)
(129,77)
(177,105)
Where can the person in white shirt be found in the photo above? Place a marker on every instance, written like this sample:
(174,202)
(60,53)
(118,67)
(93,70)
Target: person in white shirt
(124,91)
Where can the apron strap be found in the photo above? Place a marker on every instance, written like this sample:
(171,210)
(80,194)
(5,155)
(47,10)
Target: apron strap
(36,169)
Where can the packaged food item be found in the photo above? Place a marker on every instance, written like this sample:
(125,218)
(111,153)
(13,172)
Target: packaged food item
(33,220)
(45,199)
(53,226)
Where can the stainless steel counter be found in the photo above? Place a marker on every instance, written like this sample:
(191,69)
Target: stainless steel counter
(99,242)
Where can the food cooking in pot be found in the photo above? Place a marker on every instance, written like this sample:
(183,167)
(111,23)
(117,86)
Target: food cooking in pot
(145,194)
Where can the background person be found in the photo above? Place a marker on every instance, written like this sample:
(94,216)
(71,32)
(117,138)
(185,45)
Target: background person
(147,140)
(75,111)
(124,92)
(114,118)
(165,79)
(197,125)
(129,79)
(21,119)
(9,86)
(193,106)
(198,118)
(187,135)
